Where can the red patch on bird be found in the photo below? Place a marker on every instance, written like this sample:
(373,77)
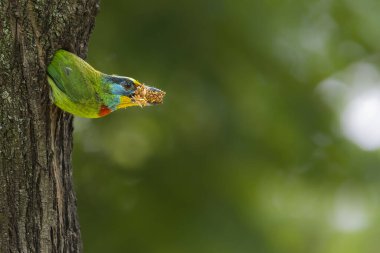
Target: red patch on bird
(104,110)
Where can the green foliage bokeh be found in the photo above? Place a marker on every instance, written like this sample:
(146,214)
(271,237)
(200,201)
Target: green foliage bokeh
(244,155)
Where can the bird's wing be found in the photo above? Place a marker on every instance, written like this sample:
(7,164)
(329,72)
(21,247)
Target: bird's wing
(73,76)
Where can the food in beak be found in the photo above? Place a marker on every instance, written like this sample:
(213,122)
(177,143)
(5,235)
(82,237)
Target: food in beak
(145,95)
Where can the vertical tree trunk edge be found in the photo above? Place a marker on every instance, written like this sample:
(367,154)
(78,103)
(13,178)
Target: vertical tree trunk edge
(37,200)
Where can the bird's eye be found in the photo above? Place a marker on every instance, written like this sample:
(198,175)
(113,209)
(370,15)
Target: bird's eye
(128,84)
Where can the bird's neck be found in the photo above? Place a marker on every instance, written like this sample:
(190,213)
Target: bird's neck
(108,94)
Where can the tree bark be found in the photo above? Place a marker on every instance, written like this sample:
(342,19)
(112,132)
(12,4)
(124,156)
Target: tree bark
(37,201)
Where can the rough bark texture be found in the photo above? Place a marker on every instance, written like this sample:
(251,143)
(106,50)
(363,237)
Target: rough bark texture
(37,201)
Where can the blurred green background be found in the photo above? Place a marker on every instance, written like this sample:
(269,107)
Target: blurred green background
(267,141)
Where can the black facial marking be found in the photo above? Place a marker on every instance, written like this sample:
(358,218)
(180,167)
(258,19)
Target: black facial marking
(128,84)
(115,79)
(125,82)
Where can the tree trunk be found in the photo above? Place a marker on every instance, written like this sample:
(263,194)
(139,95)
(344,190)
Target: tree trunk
(37,201)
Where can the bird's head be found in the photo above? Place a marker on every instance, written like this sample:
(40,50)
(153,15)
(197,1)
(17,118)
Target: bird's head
(133,93)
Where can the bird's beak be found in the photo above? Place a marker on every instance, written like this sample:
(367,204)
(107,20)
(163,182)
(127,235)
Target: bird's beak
(145,95)
(142,95)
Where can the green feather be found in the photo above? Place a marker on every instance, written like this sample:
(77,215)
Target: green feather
(75,85)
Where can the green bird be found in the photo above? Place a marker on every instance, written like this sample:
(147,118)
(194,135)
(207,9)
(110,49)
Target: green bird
(85,92)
